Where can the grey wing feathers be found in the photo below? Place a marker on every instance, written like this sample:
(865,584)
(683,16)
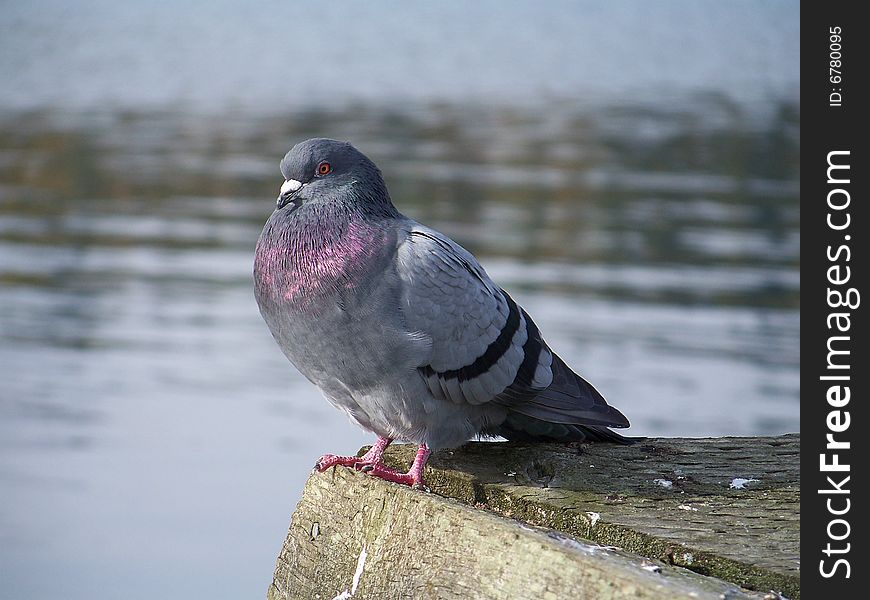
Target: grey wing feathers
(475,332)
(486,348)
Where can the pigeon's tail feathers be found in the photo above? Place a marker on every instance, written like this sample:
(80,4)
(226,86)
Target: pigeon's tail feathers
(569,400)
(522,428)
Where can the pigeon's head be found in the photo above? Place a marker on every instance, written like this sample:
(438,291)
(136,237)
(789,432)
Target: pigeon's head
(325,170)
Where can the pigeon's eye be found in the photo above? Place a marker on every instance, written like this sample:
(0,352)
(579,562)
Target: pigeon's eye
(324,168)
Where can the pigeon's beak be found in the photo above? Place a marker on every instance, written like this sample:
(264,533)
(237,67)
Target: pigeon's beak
(288,190)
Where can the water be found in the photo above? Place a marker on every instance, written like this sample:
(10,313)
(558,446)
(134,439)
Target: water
(153,440)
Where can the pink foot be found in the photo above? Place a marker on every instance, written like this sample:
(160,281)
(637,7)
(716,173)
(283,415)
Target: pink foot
(375,456)
(373,464)
(414,476)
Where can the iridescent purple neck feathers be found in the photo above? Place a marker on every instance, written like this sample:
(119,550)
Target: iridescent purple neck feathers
(316,251)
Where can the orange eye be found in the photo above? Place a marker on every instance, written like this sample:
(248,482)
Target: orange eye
(324,168)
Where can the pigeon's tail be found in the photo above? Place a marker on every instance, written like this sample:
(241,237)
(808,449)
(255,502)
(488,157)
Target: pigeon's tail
(570,409)
(523,428)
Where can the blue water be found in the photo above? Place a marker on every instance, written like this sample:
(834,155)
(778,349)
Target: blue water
(282,55)
(628,171)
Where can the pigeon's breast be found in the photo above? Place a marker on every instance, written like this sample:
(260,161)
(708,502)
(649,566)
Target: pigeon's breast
(332,306)
(304,267)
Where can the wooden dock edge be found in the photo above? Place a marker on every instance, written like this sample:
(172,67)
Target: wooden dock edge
(543,534)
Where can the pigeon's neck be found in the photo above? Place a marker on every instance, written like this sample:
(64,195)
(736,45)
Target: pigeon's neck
(315,253)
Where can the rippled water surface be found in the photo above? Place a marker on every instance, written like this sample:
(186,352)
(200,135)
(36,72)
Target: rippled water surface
(153,439)
(147,413)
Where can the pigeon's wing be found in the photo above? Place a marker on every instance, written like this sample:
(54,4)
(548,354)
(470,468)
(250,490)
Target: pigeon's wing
(484,347)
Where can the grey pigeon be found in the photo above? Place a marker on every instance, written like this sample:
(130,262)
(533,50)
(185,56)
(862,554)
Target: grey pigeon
(400,327)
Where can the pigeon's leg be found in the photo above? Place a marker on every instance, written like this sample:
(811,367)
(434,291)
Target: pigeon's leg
(414,476)
(375,456)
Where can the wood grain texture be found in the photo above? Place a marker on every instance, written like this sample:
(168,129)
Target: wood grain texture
(566,504)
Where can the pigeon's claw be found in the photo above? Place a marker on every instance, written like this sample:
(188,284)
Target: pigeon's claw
(414,476)
(330,460)
(374,456)
(411,478)
(372,462)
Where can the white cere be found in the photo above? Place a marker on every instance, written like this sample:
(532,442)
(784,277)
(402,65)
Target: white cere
(291,185)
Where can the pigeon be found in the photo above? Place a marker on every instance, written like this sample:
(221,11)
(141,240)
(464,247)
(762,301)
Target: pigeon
(401,327)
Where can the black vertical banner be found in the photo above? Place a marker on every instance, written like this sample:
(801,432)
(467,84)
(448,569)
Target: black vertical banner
(834,370)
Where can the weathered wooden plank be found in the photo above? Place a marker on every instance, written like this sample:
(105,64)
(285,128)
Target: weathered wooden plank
(353,536)
(421,545)
(661,498)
